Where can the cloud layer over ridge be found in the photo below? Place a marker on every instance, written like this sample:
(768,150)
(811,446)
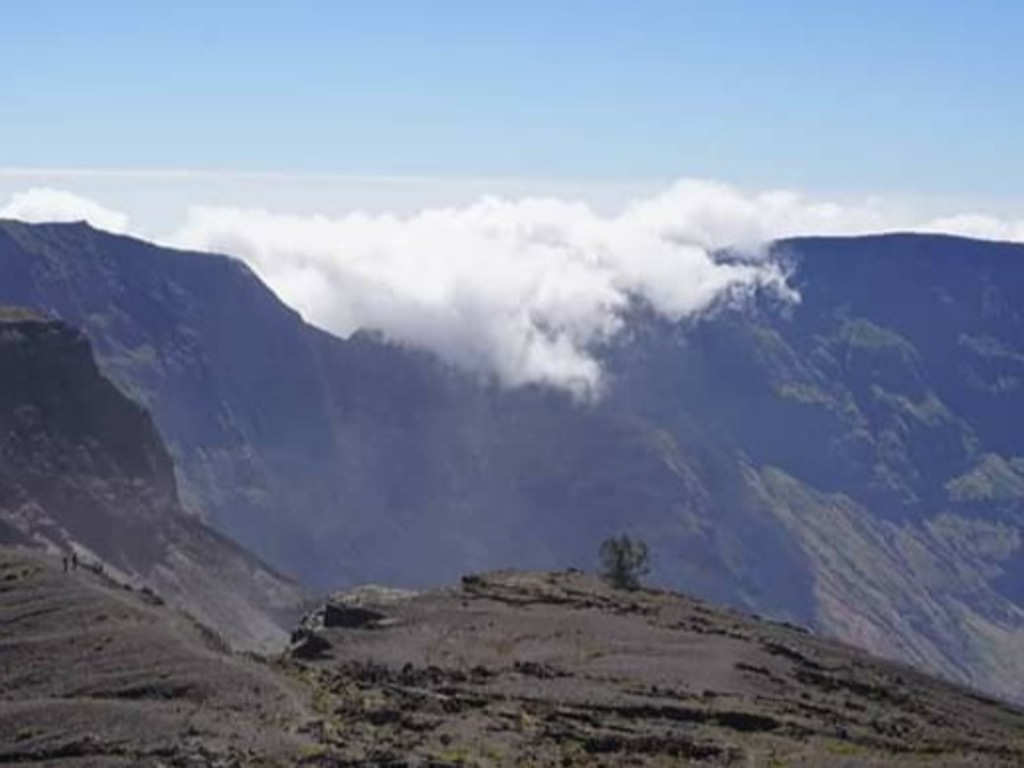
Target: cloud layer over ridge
(521,288)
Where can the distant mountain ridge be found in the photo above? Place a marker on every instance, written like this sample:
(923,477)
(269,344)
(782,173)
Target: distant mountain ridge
(848,462)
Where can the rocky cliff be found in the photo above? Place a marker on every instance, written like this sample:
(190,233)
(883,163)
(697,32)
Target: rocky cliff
(224,367)
(83,471)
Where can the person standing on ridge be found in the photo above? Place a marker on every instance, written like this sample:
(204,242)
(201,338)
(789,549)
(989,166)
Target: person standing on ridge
(74,561)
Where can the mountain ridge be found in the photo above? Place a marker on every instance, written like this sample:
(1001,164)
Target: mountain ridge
(556,668)
(846,462)
(560,669)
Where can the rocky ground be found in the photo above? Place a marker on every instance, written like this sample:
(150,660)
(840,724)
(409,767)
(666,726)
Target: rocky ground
(558,669)
(94,674)
(508,669)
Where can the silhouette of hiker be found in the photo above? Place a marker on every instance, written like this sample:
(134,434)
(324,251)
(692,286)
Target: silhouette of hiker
(65,563)
(74,561)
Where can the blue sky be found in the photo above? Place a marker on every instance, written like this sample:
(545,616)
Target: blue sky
(492,180)
(901,96)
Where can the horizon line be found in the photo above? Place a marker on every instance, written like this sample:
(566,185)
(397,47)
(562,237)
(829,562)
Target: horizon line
(16,171)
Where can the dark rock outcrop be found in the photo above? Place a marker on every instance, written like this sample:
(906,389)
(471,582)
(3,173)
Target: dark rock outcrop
(83,471)
(351,616)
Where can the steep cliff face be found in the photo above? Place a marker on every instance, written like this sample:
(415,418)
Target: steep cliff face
(75,450)
(876,421)
(225,368)
(83,469)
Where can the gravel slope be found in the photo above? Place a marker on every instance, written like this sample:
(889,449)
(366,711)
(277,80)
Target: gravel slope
(558,669)
(509,669)
(94,674)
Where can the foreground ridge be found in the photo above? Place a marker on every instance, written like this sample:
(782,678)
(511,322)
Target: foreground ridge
(523,668)
(508,669)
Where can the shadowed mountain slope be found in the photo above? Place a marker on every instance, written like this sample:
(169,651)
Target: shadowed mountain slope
(874,421)
(83,470)
(224,367)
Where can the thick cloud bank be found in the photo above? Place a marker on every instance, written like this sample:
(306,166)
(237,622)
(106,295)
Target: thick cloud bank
(524,288)
(521,289)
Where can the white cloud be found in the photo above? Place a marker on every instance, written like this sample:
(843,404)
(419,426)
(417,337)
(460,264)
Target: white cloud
(524,288)
(41,204)
(519,287)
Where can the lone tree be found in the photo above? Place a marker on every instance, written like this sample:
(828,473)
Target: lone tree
(623,562)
